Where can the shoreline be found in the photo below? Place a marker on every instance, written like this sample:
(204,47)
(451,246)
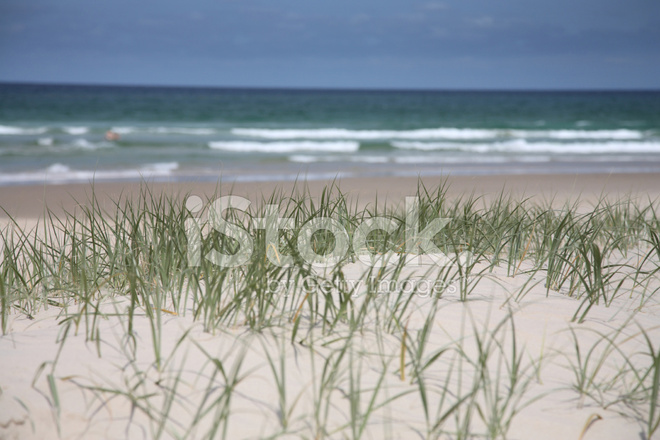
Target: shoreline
(30,201)
(311,169)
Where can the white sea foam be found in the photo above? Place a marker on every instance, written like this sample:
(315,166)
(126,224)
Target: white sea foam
(160,167)
(182,130)
(522,146)
(84,144)
(465,134)
(446,159)
(8,129)
(58,168)
(60,173)
(621,134)
(196,131)
(51,147)
(421,159)
(432,146)
(341,133)
(581,148)
(124,130)
(76,131)
(284,147)
(302,158)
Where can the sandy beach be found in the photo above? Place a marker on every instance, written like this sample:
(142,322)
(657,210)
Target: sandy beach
(505,345)
(29,201)
(419,220)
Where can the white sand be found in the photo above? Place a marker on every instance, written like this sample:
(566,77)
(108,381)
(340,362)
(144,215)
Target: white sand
(107,387)
(543,332)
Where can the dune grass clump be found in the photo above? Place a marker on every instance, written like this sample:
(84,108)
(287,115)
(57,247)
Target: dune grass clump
(139,257)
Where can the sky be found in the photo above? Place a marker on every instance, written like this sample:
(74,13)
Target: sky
(390,44)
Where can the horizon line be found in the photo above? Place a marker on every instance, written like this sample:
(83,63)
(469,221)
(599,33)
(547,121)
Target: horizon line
(326,88)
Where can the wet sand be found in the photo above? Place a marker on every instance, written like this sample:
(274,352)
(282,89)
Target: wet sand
(30,201)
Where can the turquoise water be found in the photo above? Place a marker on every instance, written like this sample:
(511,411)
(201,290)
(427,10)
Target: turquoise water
(56,133)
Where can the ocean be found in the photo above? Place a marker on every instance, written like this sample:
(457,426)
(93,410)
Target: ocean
(56,134)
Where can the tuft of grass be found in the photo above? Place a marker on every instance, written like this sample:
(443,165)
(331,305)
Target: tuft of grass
(137,256)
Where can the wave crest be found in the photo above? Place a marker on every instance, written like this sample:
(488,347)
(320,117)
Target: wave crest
(522,146)
(465,134)
(284,147)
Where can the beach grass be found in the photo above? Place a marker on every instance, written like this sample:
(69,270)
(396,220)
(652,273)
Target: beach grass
(339,354)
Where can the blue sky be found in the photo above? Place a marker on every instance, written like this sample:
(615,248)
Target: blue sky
(474,44)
